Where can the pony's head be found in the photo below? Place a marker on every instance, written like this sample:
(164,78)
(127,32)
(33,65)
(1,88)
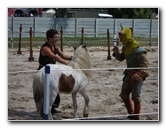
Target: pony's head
(80,46)
(81,60)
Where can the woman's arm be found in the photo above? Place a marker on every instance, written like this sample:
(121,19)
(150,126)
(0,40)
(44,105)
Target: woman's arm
(64,56)
(143,62)
(119,56)
(47,52)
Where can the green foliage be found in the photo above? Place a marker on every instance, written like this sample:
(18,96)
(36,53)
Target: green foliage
(139,13)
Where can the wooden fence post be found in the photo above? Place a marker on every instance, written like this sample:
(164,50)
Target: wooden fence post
(108,43)
(82,36)
(19,44)
(31,58)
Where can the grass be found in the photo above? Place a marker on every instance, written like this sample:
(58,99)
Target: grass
(74,41)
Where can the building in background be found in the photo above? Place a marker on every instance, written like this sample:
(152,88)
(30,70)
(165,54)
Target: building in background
(57,12)
(24,12)
(84,13)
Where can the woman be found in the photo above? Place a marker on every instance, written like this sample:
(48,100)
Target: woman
(49,54)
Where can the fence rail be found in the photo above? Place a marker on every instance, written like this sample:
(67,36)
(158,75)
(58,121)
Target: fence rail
(145,31)
(69,40)
(93,26)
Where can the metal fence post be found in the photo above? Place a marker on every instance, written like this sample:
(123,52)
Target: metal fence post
(115,40)
(95,29)
(11,37)
(76,27)
(115,25)
(34,27)
(150,43)
(133,26)
(11,30)
(131,31)
(61,32)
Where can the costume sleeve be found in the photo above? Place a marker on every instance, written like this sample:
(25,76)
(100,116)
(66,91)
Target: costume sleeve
(119,56)
(143,62)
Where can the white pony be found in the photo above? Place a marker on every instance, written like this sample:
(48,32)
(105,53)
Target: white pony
(64,79)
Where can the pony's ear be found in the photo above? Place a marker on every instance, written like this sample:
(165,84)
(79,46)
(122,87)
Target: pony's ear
(84,45)
(74,47)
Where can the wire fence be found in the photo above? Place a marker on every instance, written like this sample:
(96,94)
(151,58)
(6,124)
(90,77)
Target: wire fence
(71,39)
(92,69)
(111,117)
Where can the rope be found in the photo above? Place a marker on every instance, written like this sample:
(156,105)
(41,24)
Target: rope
(85,33)
(103,69)
(98,69)
(22,72)
(92,69)
(113,116)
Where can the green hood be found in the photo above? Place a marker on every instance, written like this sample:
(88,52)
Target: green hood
(129,44)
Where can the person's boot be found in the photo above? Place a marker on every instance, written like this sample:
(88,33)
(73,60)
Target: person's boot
(129,107)
(54,108)
(137,109)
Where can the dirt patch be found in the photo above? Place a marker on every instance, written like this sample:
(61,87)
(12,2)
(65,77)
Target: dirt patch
(104,88)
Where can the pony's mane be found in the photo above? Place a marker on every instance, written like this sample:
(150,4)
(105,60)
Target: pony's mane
(81,60)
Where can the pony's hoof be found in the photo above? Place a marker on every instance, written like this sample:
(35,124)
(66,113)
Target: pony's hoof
(85,115)
(57,117)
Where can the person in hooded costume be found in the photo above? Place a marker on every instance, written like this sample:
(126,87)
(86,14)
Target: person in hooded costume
(135,57)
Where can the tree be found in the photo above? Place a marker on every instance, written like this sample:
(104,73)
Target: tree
(61,12)
(142,13)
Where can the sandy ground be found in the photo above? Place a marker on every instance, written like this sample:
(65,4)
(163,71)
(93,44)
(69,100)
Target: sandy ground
(104,88)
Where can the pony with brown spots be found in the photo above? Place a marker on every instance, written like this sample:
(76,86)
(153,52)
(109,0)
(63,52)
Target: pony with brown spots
(64,79)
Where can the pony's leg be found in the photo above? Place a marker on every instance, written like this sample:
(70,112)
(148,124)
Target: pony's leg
(39,107)
(53,95)
(86,97)
(50,115)
(75,104)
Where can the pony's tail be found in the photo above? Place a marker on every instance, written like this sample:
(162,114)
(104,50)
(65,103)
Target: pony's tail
(38,93)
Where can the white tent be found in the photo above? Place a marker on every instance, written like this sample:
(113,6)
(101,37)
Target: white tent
(50,11)
(157,17)
(105,15)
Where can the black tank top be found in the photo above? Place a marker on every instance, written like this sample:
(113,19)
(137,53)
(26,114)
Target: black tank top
(44,60)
